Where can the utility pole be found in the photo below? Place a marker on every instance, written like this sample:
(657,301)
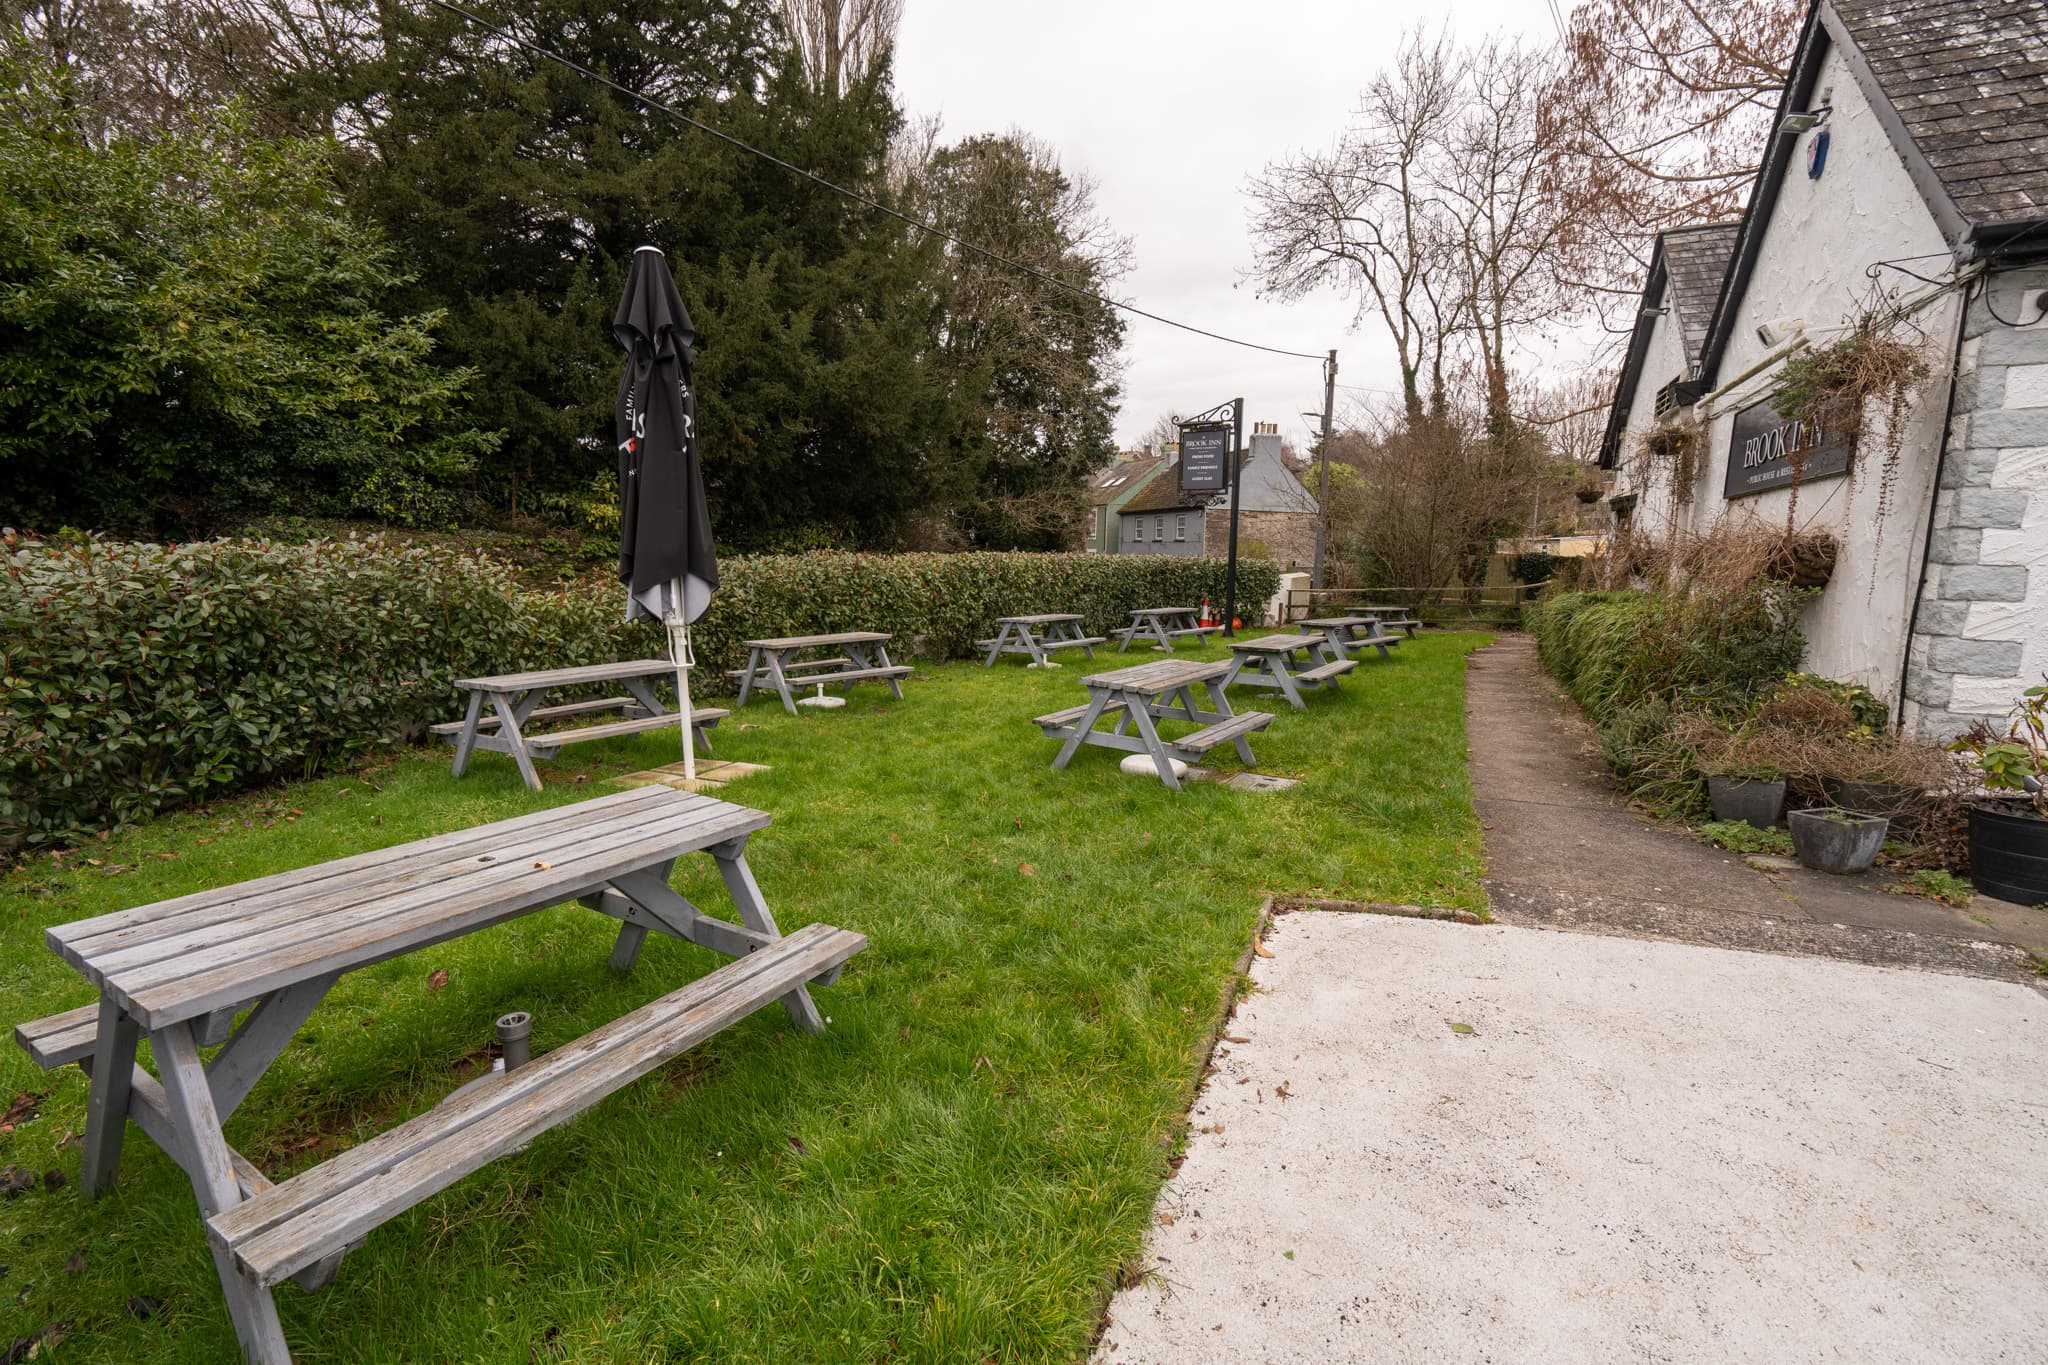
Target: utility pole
(1315,579)
(1236,479)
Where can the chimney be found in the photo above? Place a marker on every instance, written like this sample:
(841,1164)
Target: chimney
(1265,442)
(1171,451)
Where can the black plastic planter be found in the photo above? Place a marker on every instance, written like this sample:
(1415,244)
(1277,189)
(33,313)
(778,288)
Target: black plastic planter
(1748,799)
(1837,841)
(2009,854)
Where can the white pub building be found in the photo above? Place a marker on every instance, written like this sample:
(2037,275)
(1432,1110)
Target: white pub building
(1907,172)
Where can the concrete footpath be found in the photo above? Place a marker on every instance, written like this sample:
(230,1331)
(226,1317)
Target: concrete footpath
(1563,852)
(1727,1115)
(1641,1151)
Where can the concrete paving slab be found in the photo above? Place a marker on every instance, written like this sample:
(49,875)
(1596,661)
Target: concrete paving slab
(1644,1151)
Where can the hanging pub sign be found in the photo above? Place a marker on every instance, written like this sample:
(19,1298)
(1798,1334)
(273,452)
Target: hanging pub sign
(1766,451)
(1204,459)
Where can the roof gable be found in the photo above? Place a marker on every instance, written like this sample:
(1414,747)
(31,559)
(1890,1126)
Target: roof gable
(1120,479)
(1695,262)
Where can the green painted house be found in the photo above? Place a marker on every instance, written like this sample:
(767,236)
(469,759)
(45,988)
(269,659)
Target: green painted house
(1108,492)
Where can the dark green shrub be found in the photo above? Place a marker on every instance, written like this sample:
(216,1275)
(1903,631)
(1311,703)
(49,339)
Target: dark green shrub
(134,677)
(1534,566)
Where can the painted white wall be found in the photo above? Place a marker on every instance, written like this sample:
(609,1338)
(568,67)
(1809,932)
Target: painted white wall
(1811,265)
(1663,361)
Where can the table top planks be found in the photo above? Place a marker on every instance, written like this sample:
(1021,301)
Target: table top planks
(1041,619)
(1275,644)
(185,957)
(851,637)
(1337,622)
(568,677)
(1161,675)
(1164,611)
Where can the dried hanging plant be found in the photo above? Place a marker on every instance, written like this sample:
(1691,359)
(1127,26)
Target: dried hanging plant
(1881,361)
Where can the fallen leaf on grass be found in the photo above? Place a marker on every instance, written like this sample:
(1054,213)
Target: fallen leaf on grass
(165,856)
(26,1106)
(437,978)
(75,1264)
(14,1180)
(1461,1029)
(798,1144)
(54,1179)
(143,1307)
(1027,869)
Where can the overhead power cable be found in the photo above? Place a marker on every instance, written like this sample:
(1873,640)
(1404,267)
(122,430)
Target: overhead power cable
(679,116)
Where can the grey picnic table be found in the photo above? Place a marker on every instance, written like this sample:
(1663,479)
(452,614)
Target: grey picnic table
(1289,664)
(1392,618)
(1038,636)
(515,701)
(179,971)
(779,665)
(1164,624)
(1350,636)
(1136,697)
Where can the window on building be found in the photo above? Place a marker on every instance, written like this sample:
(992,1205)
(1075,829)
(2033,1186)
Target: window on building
(1180,528)
(1136,527)
(1159,528)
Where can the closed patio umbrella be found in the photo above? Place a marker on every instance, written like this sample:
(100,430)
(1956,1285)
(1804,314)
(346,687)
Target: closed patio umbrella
(666,559)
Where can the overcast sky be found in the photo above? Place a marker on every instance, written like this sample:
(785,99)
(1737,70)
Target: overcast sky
(1171,107)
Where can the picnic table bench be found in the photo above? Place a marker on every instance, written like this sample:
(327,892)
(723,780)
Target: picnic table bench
(1037,636)
(515,702)
(1143,693)
(1392,618)
(1289,664)
(778,664)
(181,970)
(1350,636)
(1164,624)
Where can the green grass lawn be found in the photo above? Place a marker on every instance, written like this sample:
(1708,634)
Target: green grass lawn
(957,1171)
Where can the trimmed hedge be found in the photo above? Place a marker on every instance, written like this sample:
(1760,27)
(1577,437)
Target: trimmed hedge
(1702,650)
(136,677)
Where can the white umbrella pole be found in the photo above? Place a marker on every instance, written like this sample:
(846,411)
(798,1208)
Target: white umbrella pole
(679,652)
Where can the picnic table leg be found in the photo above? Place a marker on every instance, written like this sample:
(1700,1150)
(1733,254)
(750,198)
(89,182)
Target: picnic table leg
(467,739)
(1129,633)
(1159,633)
(895,684)
(626,948)
(508,726)
(1141,716)
(260,1040)
(212,1171)
(753,908)
(1097,703)
(106,1102)
(996,648)
(779,680)
(645,695)
(747,678)
(1278,669)
(1217,694)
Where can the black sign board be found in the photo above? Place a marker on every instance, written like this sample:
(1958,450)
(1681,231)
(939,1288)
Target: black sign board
(1766,451)
(1204,459)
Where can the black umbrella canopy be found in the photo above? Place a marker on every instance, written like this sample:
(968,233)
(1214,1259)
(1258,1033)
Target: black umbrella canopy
(666,558)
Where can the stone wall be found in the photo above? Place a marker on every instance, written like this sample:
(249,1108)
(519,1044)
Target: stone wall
(1290,536)
(1981,632)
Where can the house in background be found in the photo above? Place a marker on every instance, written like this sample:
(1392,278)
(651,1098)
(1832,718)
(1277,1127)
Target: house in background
(1908,165)
(1108,493)
(1274,511)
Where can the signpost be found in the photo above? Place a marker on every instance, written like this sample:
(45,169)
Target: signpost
(1767,451)
(1217,440)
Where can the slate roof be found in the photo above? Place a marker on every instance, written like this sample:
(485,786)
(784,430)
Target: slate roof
(1163,495)
(1969,80)
(1113,482)
(1695,259)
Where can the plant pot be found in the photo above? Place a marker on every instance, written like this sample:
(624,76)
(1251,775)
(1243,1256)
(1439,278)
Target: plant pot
(1748,799)
(1888,799)
(2009,854)
(1837,841)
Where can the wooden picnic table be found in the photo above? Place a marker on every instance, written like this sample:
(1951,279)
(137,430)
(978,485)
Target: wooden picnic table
(1139,695)
(179,971)
(1164,624)
(1392,618)
(515,702)
(1289,664)
(1350,636)
(778,664)
(1037,636)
